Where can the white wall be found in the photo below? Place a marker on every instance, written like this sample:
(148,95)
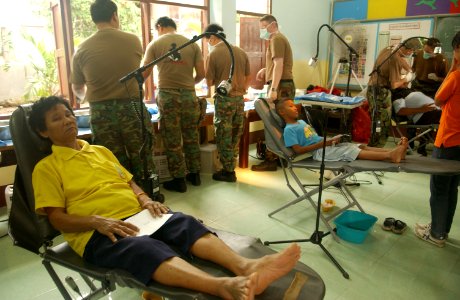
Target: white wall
(300,21)
(223,12)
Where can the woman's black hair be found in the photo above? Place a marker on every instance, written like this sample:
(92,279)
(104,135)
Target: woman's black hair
(41,107)
(433,42)
(456,41)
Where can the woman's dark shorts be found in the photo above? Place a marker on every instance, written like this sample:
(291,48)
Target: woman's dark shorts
(142,255)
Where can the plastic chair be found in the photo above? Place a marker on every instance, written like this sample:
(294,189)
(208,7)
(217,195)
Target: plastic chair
(34,233)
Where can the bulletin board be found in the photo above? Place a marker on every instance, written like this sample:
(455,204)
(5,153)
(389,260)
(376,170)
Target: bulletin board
(446,27)
(368,38)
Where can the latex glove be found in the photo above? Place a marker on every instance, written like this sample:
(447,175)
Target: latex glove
(433,76)
(410,76)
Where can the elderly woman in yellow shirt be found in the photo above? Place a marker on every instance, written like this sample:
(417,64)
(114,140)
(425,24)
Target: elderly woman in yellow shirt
(87,195)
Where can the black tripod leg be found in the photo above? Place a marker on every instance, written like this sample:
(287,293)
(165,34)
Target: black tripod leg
(336,263)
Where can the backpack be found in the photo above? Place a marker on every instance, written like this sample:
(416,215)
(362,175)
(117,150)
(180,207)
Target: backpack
(361,123)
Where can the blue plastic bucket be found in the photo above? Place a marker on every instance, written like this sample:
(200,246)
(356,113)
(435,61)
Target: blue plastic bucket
(353,226)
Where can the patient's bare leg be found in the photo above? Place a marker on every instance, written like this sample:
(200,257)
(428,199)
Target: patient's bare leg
(395,155)
(269,268)
(179,273)
(375,149)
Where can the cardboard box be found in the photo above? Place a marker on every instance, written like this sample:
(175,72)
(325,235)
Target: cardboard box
(210,162)
(161,165)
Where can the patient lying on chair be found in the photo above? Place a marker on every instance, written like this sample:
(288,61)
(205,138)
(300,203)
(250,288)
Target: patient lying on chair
(302,138)
(87,194)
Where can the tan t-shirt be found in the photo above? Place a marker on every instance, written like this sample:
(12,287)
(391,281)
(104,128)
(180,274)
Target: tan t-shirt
(218,68)
(390,71)
(174,74)
(422,67)
(102,60)
(279,47)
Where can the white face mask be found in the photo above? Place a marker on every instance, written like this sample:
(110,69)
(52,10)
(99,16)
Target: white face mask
(264,34)
(427,55)
(210,47)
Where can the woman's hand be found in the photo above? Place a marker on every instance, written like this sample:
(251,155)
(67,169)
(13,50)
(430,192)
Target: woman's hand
(428,107)
(155,208)
(112,227)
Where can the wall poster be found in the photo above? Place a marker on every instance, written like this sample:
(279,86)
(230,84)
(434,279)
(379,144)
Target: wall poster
(368,39)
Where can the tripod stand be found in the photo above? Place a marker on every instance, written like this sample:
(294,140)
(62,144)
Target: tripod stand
(344,62)
(317,236)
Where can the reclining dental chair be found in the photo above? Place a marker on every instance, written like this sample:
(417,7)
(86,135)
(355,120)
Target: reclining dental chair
(273,128)
(34,233)
(291,163)
(423,133)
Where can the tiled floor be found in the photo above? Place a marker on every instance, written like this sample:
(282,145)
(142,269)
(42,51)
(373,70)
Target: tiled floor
(385,266)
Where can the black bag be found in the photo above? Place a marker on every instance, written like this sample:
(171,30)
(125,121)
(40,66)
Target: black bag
(261,149)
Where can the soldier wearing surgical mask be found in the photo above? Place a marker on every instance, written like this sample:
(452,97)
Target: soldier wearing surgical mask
(278,70)
(277,73)
(430,68)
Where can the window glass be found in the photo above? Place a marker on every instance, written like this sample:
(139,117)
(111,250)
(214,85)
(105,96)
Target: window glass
(255,6)
(189,2)
(27,61)
(129,14)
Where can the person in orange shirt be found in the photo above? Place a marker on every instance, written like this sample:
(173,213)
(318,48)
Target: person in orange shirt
(444,189)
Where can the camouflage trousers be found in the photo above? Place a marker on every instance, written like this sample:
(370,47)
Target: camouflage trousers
(228,126)
(179,123)
(116,125)
(379,99)
(286,89)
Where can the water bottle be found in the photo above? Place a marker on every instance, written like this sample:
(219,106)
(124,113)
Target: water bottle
(8,198)
(378,127)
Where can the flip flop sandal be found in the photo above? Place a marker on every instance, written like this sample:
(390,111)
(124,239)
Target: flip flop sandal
(399,227)
(388,224)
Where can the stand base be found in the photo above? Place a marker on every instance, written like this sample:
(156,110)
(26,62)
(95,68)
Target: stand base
(316,238)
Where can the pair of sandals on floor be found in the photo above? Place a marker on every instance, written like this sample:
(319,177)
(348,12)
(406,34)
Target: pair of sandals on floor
(396,226)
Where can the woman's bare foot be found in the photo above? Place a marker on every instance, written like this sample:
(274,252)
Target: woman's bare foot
(403,140)
(274,266)
(397,153)
(239,288)
(405,143)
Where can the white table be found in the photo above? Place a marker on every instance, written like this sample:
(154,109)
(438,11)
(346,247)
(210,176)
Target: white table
(344,125)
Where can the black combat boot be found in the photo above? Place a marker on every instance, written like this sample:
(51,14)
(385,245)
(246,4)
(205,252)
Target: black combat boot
(177,185)
(223,175)
(194,178)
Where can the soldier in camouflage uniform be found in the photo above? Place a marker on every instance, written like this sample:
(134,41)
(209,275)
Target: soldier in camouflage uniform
(97,67)
(379,99)
(229,110)
(387,84)
(177,102)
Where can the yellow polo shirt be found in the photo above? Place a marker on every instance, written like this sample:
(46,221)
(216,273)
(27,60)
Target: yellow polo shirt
(86,182)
